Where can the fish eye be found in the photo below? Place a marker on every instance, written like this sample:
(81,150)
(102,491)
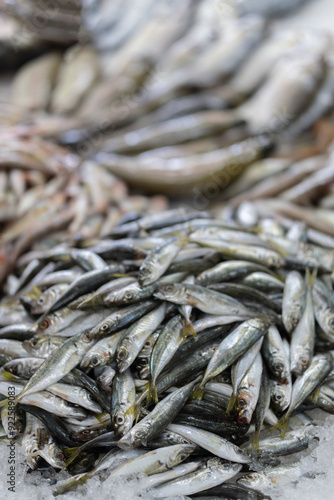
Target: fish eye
(185,441)
(143,362)
(85,432)
(95,361)
(250,476)
(148,343)
(240,452)
(331,322)
(35,450)
(226,466)
(87,337)
(43,325)
(15,370)
(294,320)
(34,343)
(145,271)
(60,456)
(121,355)
(85,461)
(242,403)
(169,288)
(120,420)
(183,457)
(226,378)
(140,434)
(278,367)
(278,397)
(304,361)
(128,295)
(40,300)
(104,327)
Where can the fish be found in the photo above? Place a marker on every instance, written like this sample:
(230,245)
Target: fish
(213,473)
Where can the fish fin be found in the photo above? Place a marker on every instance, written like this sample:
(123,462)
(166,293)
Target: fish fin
(282,424)
(72,454)
(315,395)
(188,331)
(152,392)
(70,484)
(4,403)
(9,376)
(198,393)
(100,416)
(231,403)
(310,277)
(121,275)
(256,442)
(134,410)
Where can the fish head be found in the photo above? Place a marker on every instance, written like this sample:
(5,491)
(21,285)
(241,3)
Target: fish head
(300,361)
(15,367)
(106,327)
(279,369)
(84,435)
(87,338)
(180,454)
(36,346)
(84,464)
(135,436)
(330,324)
(230,467)
(92,359)
(123,355)
(147,274)
(55,456)
(244,403)
(122,423)
(47,324)
(125,296)
(254,480)
(279,397)
(173,292)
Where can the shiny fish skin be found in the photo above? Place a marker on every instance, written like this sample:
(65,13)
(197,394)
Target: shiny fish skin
(293,300)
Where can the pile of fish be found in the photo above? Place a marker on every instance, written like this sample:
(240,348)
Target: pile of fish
(167,348)
(48,197)
(167,105)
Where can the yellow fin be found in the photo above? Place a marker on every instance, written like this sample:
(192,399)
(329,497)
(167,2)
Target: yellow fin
(72,454)
(198,393)
(282,424)
(188,331)
(256,443)
(231,403)
(310,277)
(100,417)
(9,376)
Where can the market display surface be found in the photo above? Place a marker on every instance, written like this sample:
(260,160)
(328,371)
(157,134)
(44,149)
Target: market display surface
(166,250)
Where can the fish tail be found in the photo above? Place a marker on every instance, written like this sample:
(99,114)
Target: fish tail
(70,484)
(152,392)
(8,376)
(100,417)
(310,277)
(315,395)
(188,331)
(198,393)
(256,442)
(231,403)
(282,424)
(72,454)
